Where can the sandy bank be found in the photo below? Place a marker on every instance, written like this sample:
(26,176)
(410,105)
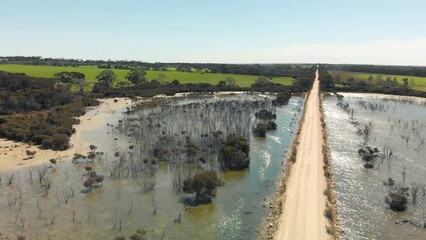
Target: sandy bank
(13,154)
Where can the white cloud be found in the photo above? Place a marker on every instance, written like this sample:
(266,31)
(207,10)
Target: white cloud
(384,52)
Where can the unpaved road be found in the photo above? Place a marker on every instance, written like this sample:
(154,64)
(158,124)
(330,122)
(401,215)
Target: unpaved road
(303,209)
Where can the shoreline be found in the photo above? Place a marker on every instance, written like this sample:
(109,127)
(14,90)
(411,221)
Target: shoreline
(334,224)
(276,205)
(13,156)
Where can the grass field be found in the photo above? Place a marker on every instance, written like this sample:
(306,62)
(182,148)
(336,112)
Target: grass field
(184,77)
(417,83)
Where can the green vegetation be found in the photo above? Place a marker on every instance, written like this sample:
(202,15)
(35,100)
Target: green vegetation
(51,129)
(42,111)
(37,111)
(333,79)
(204,185)
(234,155)
(417,83)
(91,72)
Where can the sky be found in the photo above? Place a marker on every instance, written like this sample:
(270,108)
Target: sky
(389,32)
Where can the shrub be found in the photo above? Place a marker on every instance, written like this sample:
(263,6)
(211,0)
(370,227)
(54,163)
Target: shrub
(331,230)
(78,156)
(282,97)
(260,130)
(397,201)
(91,155)
(50,129)
(234,154)
(328,194)
(46,143)
(265,115)
(328,213)
(60,142)
(271,125)
(203,184)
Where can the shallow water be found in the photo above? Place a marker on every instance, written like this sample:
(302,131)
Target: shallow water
(120,208)
(361,192)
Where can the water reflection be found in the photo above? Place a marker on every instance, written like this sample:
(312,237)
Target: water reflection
(360,191)
(119,207)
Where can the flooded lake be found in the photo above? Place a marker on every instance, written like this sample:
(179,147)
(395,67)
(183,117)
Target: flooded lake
(152,140)
(397,124)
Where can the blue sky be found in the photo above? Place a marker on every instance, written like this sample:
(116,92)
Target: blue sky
(242,31)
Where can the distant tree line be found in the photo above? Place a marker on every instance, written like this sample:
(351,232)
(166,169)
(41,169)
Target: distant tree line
(273,70)
(379,69)
(42,112)
(384,86)
(142,87)
(326,79)
(70,77)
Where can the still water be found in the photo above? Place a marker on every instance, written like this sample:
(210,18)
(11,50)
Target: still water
(398,123)
(119,208)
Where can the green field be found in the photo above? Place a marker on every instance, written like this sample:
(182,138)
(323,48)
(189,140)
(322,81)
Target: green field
(417,83)
(184,77)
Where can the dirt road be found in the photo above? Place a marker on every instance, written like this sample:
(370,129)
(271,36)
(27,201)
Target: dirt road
(303,210)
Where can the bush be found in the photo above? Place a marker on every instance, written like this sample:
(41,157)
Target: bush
(234,154)
(51,130)
(282,97)
(260,130)
(328,194)
(265,115)
(203,184)
(331,230)
(271,125)
(397,201)
(60,142)
(46,143)
(328,213)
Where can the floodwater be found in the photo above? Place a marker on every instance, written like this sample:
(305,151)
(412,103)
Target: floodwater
(397,123)
(120,207)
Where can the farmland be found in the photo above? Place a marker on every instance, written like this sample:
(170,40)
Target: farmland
(184,77)
(417,83)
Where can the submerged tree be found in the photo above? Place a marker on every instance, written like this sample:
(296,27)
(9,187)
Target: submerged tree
(93,148)
(204,185)
(234,155)
(260,130)
(397,201)
(93,178)
(265,123)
